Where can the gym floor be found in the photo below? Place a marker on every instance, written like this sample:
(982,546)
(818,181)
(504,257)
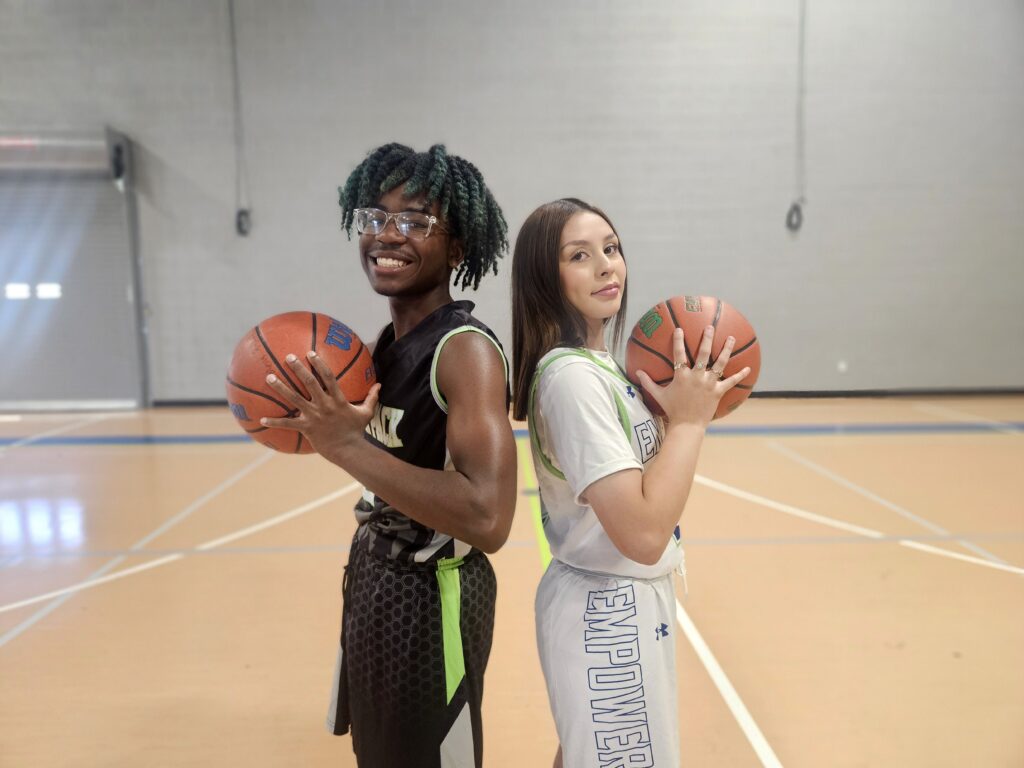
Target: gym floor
(170,592)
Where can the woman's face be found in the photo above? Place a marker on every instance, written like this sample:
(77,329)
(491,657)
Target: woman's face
(592,271)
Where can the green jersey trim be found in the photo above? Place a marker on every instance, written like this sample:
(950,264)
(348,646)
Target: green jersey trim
(434,390)
(620,407)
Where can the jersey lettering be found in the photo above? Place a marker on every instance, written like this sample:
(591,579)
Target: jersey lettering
(649,439)
(383,427)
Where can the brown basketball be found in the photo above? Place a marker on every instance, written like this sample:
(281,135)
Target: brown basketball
(263,350)
(650,344)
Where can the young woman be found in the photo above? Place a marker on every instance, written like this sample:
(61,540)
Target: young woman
(613,483)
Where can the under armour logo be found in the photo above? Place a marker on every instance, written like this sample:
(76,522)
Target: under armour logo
(660,632)
(630,392)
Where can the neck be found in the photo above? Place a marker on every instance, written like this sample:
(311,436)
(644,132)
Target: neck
(408,311)
(595,335)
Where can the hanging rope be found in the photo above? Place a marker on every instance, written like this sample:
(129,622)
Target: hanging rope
(795,215)
(243,214)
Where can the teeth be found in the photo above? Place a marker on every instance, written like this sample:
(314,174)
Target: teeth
(384,261)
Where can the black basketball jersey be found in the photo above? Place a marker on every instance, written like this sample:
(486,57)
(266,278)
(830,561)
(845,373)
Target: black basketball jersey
(411,424)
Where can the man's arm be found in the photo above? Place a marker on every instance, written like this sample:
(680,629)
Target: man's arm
(475,502)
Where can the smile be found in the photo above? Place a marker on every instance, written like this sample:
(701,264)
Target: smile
(389,263)
(608,292)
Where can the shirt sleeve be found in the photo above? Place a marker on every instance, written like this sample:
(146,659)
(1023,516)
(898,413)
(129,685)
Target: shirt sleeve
(583,433)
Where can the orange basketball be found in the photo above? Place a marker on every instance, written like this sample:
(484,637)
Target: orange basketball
(650,344)
(263,350)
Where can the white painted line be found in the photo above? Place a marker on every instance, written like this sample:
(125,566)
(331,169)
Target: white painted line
(956,414)
(90,583)
(871,496)
(787,509)
(732,699)
(831,523)
(957,556)
(12,633)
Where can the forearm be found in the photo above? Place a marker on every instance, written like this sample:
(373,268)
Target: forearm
(667,482)
(446,501)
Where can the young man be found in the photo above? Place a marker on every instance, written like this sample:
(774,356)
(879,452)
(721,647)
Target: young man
(433,446)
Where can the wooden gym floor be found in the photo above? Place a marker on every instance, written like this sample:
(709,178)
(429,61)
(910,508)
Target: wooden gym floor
(169,594)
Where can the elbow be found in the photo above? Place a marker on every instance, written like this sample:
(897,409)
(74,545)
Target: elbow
(494,529)
(642,549)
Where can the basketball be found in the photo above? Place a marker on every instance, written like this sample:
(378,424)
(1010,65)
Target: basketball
(263,350)
(650,344)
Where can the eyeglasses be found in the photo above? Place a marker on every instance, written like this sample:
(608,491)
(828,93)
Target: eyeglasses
(411,224)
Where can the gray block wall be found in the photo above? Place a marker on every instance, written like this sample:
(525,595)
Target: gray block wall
(678,118)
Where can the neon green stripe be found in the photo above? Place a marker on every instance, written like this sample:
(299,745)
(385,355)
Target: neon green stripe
(451,601)
(530,481)
(438,398)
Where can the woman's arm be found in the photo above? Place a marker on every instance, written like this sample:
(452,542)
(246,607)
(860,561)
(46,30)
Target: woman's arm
(639,510)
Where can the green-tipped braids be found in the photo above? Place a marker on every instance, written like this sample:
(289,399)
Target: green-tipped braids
(467,205)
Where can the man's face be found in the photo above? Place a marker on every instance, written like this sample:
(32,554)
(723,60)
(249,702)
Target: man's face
(397,265)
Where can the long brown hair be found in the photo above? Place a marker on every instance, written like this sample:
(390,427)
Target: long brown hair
(542,318)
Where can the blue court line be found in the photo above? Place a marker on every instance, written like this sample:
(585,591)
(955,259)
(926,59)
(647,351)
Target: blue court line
(956,428)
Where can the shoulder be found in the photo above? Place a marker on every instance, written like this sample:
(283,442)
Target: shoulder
(468,361)
(565,371)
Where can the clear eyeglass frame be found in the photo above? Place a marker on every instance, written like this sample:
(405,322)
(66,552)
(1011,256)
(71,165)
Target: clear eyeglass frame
(411,224)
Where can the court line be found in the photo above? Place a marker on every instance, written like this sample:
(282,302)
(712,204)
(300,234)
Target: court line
(732,699)
(269,523)
(49,433)
(843,526)
(985,426)
(870,495)
(1006,427)
(137,546)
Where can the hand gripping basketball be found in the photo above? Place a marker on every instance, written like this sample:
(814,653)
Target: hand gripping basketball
(693,394)
(326,419)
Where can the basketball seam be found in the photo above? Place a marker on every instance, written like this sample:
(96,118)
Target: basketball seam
(718,314)
(298,444)
(652,351)
(351,362)
(689,358)
(274,400)
(259,335)
(744,348)
(313,342)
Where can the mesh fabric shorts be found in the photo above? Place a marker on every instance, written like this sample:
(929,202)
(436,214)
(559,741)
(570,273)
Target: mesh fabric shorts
(414,645)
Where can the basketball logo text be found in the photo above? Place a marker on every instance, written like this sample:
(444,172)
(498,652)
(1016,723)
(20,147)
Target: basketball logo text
(339,335)
(650,322)
(238,411)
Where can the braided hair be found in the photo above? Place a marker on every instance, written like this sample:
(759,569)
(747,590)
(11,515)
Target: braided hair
(467,205)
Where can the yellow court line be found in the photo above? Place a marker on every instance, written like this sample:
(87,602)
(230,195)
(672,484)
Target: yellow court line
(529,474)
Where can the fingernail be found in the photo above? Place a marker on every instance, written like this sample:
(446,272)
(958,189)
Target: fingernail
(732,339)
(311,354)
(263,421)
(271,378)
(710,328)
(290,358)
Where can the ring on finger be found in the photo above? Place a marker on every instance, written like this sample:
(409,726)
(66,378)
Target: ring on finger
(698,366)
(677,366)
